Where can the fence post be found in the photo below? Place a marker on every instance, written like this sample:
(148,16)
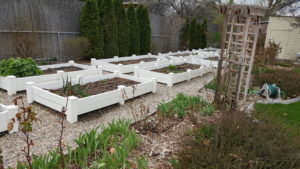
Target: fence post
(59,46)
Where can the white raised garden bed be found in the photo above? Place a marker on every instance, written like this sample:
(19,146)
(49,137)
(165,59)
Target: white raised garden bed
(171,78)
(205,62)
(7,113)
(77,106)
(107,64)
(13,84)
(199,56)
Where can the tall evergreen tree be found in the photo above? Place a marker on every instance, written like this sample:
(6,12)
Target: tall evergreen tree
(204,34)
(123,28)
(194,36)
(90,28)
(145,29)
(109,29)
(134,31)
(199,36)
(185,34)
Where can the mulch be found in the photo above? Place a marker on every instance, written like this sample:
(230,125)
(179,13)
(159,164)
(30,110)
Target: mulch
(183,55)
(65,69)
(213,58)
(102,86)
(179,68)
(128,62)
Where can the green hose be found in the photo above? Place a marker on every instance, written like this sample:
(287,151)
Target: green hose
(274,91)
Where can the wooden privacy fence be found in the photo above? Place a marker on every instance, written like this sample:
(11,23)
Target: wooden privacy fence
(40,27)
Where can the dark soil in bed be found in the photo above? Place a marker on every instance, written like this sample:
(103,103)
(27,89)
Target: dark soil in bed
(98,87)
(128,62)
(66,69)
(177,68)
(213,58)
(183,55)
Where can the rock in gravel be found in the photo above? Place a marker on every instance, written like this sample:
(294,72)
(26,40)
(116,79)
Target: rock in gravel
(156,152)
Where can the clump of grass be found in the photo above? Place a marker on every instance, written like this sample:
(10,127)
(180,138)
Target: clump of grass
(182,104)
(283,64)
(259,70)
(173,69)
(211,85)
(109,150)
(237,141)
(71,89)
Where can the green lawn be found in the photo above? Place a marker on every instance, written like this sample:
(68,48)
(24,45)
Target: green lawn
(289,114)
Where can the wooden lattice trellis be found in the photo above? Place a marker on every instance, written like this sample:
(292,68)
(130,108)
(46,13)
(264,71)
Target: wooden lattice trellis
(240,33)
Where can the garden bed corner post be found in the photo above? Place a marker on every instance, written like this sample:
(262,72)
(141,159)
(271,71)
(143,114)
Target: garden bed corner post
(170,83)
(29,92)
(12,85)
(93,62)
(136,71)
(189,71)
(72,114)
(154,85)
(12,111)
(123,95)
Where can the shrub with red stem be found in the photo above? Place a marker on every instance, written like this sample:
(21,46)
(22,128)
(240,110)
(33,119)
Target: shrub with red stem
(26,116)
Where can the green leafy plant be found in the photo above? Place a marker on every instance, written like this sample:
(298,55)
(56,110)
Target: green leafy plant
(108,149)
(19,67)
(172,69)
(142,163)
(237,141)
(182,104)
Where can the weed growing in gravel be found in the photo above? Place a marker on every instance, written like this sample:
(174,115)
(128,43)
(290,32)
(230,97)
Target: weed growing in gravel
(142,163)
(108,150)
(182,103)
(211,85)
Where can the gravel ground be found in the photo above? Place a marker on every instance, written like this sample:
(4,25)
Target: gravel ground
(46,129)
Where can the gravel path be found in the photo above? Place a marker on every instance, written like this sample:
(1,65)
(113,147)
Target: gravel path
(46,130)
